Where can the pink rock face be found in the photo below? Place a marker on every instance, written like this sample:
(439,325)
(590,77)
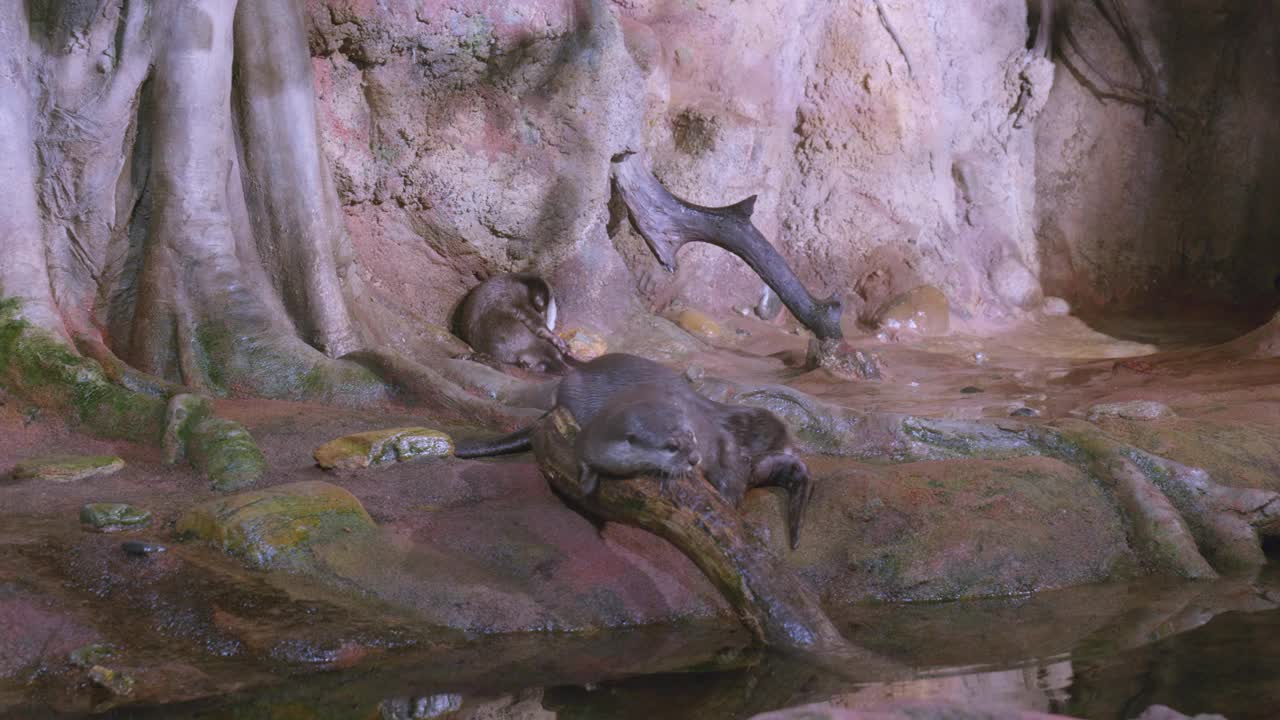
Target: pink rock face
(473,137)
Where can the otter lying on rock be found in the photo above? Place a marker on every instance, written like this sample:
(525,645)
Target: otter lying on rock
(508,319)
(640,418)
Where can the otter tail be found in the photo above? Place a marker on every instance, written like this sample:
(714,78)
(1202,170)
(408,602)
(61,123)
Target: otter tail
(518,441)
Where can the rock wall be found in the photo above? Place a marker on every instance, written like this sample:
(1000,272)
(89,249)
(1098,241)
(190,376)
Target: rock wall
(1135,208)
(890,143)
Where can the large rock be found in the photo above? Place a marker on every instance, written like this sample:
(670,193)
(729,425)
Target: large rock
(923,310)
(275,527)
(382,447)
(67,468)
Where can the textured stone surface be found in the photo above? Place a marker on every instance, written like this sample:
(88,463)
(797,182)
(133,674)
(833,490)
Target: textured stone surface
(584,344)
(1131,410)
(699,324)
(276,526)
(923,310)
(380,447)
(67,468)
(110,517)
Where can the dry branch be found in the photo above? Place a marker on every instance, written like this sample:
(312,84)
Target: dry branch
(667,223)
(775,605)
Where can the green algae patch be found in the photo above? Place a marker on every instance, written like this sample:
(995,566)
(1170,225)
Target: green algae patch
(225,452)
(112,517)
(276,527)
(382,447)
(42,369)
(67,468)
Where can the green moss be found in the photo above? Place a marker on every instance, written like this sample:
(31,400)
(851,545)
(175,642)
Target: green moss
(226,453)
(39,367)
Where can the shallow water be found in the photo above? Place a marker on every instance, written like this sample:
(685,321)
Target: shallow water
(1106,651)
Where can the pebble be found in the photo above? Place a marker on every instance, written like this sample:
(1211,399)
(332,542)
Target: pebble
(770,305)
(142,548)
(1025,412)
(970,389)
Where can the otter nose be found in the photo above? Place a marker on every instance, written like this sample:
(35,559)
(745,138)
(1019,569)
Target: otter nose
(694,458)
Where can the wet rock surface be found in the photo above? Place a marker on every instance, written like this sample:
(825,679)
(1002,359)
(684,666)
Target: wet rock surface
(276,527)
(922,310)
(67,468)
(944,504)
(380,447)
(1130,410)
(112,517)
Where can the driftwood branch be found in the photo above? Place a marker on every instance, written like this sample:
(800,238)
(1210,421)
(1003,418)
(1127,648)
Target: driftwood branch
(667,223)
(776,606)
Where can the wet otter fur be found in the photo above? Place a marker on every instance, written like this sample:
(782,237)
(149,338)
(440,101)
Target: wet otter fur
(617,395)
(508,320)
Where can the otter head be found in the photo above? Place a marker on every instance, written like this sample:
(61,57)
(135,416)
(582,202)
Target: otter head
(643,439)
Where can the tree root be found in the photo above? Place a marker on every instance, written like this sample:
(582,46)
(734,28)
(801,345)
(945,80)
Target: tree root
(1179,519)
(779,609)
(38,366)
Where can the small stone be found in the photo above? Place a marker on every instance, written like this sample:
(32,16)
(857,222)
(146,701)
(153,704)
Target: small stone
(980,358)
(699,324)
(119,683)
(1056,306)
(274,527)
(90,655)
(770,305)
(141,548)
(584,344)
(436,705)
(382,447)
(1024,412)
(923,309)
(695,373)
(111,517)
(67,468)
(970,389)
(1131,410)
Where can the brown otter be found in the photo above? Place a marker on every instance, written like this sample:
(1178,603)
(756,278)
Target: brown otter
(508,320)
(615,395)
(639,432)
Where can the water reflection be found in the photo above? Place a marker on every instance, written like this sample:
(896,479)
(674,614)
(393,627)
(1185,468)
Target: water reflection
(1098,652)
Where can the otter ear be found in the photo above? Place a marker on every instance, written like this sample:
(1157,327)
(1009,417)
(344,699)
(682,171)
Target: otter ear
(631,438)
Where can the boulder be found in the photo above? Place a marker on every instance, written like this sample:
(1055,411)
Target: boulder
(923,309)
(275,527)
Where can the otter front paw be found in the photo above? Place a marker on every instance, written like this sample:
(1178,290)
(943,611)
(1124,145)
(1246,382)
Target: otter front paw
(588,480)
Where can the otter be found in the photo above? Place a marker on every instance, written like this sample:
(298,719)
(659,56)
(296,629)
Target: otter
(638,417)
(639,432)
(508,320)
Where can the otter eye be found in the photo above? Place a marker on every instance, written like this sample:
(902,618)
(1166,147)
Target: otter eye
(631,438)
(671,446)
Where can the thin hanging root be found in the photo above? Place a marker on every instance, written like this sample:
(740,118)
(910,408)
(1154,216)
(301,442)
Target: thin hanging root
(1147,96)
